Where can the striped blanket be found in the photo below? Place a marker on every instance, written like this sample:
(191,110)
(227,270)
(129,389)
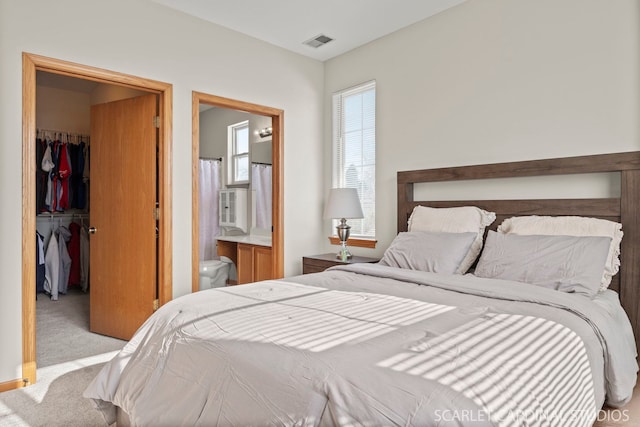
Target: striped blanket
(365,347)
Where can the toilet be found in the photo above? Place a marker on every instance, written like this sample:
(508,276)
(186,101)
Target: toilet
(214,273)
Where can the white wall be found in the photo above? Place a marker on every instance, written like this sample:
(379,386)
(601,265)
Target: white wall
(63,110)
(261,151)
(145,39)
(214,124)
(69,110)
(496,80)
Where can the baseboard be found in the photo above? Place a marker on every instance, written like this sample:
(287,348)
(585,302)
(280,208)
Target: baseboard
(12,385)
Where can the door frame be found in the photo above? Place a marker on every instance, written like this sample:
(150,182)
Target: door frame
(30,64)
(277,157)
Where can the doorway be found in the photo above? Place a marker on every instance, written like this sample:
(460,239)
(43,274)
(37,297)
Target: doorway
(277,174)
(163,92)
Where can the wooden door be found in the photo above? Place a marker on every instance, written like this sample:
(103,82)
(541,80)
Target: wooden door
(122,199)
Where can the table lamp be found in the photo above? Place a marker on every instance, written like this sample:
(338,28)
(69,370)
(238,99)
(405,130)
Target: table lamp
(343,203)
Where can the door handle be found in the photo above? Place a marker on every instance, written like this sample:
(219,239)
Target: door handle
(92,230)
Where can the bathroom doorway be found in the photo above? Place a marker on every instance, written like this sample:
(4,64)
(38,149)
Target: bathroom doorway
(262,126)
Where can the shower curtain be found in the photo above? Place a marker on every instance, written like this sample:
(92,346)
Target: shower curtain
(208,210)
(261,182)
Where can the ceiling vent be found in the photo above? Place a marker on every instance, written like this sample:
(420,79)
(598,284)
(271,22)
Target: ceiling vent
(318,41)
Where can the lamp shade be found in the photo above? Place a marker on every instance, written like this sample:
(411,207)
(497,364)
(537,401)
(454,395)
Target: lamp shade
(343,203)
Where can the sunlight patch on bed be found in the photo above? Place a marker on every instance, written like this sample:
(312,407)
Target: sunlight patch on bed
(503,362)
(321,321)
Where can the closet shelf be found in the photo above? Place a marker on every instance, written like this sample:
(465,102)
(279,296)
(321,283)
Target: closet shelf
(51,215)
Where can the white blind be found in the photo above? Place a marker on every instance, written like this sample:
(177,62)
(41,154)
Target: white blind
(239,147)
(354,150)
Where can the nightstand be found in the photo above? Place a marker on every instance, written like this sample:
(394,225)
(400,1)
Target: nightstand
(318,263)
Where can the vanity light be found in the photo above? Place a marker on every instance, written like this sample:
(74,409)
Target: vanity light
(265,132)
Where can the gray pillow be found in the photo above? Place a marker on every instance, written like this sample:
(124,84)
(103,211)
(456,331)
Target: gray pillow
(428,251)
(565,263)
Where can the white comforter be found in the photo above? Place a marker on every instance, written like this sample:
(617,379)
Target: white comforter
(367,349)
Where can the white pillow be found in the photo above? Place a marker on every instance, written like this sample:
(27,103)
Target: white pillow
(572,226)
(454,220)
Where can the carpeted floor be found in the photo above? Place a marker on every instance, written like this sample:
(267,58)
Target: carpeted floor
(628,416)
(62,330)
(68,358)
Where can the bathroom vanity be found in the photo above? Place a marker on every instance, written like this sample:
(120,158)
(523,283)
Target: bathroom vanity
(251,255)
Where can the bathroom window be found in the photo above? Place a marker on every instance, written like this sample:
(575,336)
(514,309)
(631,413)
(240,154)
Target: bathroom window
(238,135)
(354,151)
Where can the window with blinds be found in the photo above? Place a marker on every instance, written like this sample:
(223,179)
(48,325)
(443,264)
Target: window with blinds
(238,135)
(354,151)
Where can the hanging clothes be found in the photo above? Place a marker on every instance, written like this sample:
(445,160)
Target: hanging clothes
(73,247)
(48,166)
(64,235)
(84,259)
(52,267)
(41,176)
(40,264)
(55,179)
(76,184)
(64,173)
(85,175)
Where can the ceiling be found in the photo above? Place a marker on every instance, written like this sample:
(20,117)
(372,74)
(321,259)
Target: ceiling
(289,23)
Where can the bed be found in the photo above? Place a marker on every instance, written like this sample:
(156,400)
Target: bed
(412,340)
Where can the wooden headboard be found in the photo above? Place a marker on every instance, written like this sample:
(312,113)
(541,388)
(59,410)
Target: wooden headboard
(624,209)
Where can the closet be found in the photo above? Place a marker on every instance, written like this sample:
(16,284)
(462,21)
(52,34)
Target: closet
(62,240)
(63,178)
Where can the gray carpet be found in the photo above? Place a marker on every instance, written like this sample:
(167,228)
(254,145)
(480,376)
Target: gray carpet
(68,357)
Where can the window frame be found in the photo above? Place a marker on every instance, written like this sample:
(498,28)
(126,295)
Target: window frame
(234,155)
(338,157)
